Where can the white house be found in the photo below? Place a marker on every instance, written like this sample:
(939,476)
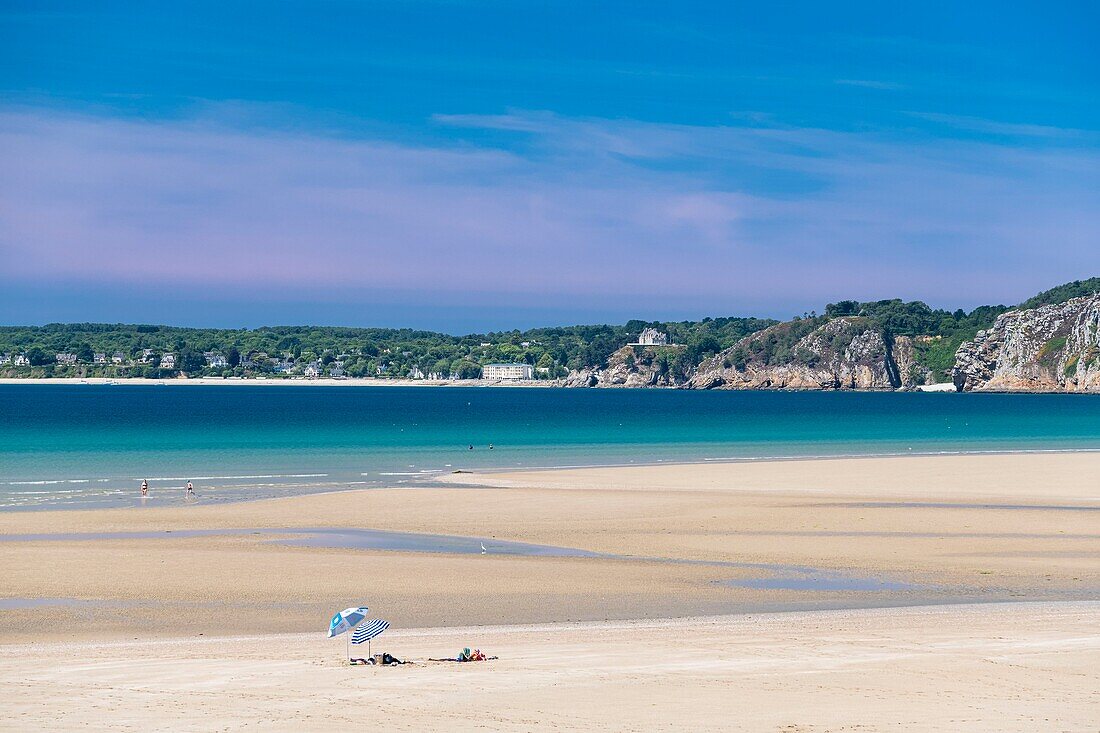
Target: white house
(168,361)
(99,358)
(313,369)
(416,373)
(5,358)
(215,360)
(652,337)
(20,360)
(118,358)
(146,356)
(507,371)
(66,358)
(336,370)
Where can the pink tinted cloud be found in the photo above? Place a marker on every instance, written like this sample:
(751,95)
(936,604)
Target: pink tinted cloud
(582,207)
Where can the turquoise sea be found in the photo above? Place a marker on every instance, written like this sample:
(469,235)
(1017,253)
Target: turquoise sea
(75,446)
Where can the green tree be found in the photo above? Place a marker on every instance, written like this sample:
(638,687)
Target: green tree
(466,369)
(38,356)
(190,361)
(545,362)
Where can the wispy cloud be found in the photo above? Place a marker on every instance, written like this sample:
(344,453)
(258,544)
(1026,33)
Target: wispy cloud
(1007,129)
(717,219)
(870,84)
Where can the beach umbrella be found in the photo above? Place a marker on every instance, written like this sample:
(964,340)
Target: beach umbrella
(346,620)
(368,630)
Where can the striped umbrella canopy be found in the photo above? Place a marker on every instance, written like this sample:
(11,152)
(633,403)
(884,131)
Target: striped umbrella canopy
(346,620)
(368,630)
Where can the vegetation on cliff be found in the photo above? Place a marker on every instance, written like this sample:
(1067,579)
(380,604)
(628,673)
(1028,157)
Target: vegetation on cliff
(1062,293)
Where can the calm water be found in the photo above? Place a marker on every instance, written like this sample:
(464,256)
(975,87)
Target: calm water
(90,445)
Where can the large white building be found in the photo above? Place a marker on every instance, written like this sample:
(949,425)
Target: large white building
(507,371)
(652,337)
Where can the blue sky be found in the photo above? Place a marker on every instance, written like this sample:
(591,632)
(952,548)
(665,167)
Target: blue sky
(468,166)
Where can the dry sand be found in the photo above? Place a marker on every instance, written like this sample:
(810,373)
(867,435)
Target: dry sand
(950,529)
(1015,667)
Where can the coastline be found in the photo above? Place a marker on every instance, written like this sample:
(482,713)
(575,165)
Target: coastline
(938,388)
(249,382)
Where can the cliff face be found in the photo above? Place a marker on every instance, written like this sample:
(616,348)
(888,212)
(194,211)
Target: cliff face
(630,366)
(843,353)
(1053,348)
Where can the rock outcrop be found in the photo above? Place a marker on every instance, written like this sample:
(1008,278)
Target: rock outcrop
(631,366)
(1053,348)
(842,353)
(1048,348)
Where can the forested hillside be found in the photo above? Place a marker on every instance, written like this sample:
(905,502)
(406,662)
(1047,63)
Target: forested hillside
(874,344)
(164,351)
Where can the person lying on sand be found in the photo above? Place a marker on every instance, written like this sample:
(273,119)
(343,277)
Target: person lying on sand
(467,656)
(387,660)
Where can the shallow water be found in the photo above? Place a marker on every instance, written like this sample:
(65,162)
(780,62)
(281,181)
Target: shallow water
(774,576)
(334,537)
(82,446)
(819,580)
(369,539)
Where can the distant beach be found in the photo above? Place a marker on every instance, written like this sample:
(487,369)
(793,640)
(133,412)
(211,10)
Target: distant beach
(284,382)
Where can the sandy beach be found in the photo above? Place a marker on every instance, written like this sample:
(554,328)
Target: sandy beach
(827,594)
(1015,667)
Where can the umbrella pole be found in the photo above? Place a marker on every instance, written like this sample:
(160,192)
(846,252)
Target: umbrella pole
(347,646)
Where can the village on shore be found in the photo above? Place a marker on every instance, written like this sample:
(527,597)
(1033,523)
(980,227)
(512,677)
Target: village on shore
(231,363)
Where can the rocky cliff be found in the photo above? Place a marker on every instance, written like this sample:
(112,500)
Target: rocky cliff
(631,366)
(1053,348)
(841,353)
